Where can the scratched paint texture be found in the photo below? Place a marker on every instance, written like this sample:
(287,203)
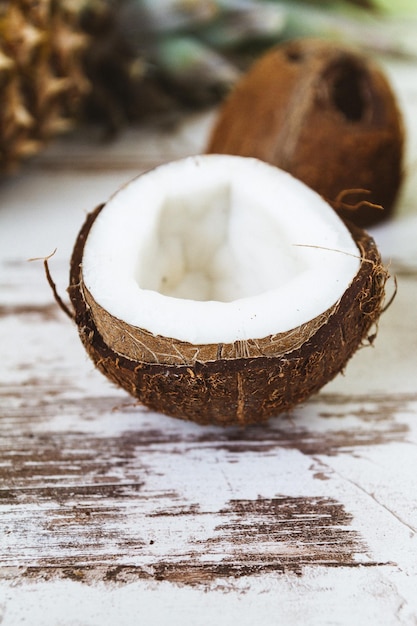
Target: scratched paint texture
(114,511)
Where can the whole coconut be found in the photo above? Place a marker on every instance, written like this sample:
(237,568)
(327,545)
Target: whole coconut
(326,114)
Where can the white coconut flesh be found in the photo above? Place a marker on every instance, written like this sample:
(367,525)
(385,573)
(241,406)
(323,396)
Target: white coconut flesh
(217,249)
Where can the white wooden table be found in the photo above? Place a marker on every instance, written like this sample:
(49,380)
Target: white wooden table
(111,514)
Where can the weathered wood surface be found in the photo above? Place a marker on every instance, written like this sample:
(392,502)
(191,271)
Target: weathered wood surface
(111,514)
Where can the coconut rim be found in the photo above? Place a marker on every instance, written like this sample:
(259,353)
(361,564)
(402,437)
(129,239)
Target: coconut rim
(366,294)
(318,212)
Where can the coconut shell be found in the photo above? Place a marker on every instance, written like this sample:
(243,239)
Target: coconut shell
(232,384)
(326,114)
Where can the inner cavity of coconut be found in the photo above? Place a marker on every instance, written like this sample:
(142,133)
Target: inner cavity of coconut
(216,245)
(216,249)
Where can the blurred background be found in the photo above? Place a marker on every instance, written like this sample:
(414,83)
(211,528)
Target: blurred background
(113,63)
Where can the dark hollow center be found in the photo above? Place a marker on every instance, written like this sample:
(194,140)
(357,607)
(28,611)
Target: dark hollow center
(347,89)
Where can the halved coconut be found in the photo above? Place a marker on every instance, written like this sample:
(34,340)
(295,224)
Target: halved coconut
(199,292)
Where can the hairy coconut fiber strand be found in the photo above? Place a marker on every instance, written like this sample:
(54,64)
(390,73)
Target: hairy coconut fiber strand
(246,387)
(41,80)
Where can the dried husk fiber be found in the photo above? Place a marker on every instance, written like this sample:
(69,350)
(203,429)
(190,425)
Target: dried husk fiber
(230,384)
(325,113)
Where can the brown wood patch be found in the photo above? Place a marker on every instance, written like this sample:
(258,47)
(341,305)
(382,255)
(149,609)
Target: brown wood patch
(86,495)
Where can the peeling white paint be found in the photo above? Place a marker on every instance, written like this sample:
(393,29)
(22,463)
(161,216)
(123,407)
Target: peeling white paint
(111,514)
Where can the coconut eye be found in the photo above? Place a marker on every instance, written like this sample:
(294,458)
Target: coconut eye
(294,53)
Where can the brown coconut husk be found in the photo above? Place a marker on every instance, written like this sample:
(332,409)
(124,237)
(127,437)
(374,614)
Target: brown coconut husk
(325,113)
(230,384)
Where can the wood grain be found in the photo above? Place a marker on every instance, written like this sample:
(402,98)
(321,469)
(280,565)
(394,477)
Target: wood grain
(109,512)
(96,488)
